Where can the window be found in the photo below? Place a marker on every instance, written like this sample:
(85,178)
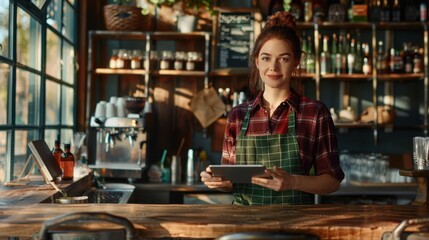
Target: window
(37,77)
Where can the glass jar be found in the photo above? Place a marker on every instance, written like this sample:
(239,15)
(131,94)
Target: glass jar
(179,60)
(136,59)
(190,61)
(113,59)
(167,60)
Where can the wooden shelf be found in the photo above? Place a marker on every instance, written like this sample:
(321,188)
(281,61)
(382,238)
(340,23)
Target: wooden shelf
(353,125)
(120,71)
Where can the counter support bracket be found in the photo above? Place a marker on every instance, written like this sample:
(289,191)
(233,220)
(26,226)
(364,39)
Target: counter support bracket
(422,177)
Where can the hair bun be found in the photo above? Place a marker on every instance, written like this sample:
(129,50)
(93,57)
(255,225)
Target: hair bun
(281,18)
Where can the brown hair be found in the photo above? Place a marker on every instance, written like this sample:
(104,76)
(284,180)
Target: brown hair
(280,25)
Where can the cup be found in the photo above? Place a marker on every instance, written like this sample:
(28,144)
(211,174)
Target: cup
(110,110)
(113,99)
(100,110)
(120,107)
(420,153)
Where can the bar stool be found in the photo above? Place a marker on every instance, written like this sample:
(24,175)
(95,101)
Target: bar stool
(268,236)
(47,232)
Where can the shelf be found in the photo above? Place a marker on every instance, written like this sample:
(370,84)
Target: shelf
(363,25)
(346,77)
(353,125)
(179,73)
(230,72)
(120,71)
(400,76)
(137,35)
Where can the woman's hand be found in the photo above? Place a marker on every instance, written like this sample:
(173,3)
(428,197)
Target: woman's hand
(215,182)
(280,180)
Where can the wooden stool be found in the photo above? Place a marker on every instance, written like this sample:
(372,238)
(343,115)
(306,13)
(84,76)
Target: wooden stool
(422,185)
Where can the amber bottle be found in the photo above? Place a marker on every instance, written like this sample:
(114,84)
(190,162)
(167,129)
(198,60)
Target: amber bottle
(57,152)
(67,163)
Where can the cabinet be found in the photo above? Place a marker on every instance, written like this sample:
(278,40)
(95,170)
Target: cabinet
(160,86)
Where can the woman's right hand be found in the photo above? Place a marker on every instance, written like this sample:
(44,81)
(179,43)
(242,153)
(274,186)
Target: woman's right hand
(215,182)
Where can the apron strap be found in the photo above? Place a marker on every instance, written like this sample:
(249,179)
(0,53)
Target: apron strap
(245,121)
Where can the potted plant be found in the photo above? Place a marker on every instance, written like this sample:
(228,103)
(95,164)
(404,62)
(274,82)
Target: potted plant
(125,15)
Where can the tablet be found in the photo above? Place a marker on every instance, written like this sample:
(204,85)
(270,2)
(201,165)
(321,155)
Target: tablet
(239,173)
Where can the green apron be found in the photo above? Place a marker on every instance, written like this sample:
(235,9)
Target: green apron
(279,150)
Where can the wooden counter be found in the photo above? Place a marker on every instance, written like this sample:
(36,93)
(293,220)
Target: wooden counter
(211,221)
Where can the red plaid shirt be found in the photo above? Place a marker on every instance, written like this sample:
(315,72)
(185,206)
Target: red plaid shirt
(314,129)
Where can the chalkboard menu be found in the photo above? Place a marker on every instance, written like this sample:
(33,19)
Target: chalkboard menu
(235,38)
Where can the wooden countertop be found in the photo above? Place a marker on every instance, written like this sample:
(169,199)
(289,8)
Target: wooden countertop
(211,221)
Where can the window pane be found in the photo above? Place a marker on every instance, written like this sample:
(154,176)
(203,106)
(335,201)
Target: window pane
(4,28)
(27,98)
(21,150)
(4,84)
(67,102)
(53,54)
(68,22)
(68,63)
(28,40)
(3,156)
(66,136)
(53,12)
(52,103)
(38,3)
(50,136)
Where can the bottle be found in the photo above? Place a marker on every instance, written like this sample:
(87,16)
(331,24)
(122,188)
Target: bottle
(308,10)
(381,59)
(408,58)
(417,60)
(67,163)
(374,10)
(367,63)
(310,56)
(351,57)
(325,57)
(423,10)
(338,57)
(357,66)
(304,53)
(396,11)
(334,52)
(57,152)
(296,9)
(385,11)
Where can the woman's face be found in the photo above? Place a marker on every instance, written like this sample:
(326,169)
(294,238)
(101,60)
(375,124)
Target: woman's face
(276,62)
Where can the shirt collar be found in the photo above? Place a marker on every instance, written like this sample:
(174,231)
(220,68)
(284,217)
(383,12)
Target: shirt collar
(293,100)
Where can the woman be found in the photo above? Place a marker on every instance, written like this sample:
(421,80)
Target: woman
(288,133)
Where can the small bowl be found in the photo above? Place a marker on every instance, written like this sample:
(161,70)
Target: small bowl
(135,104)
(72,200)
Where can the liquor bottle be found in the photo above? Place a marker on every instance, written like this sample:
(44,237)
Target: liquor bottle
(385,11)
(367,63)
(396,11)
(296,9)
(407,58)
(338,56)
(381,59)
(374,10)
(310,56)
(325,57)
(417,60)
(351,57)
(357,67)
(344,51)
(303,64)
(67,163)
(308,10)
(57,152)
(318,11)
(423,10)
(334,53)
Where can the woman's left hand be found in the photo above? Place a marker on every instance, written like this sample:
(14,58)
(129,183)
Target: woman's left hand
(280,180)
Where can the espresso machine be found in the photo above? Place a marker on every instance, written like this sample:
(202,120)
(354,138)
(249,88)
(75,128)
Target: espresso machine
(120,146)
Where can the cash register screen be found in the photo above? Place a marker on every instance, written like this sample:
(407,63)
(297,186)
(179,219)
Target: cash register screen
(49,168)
